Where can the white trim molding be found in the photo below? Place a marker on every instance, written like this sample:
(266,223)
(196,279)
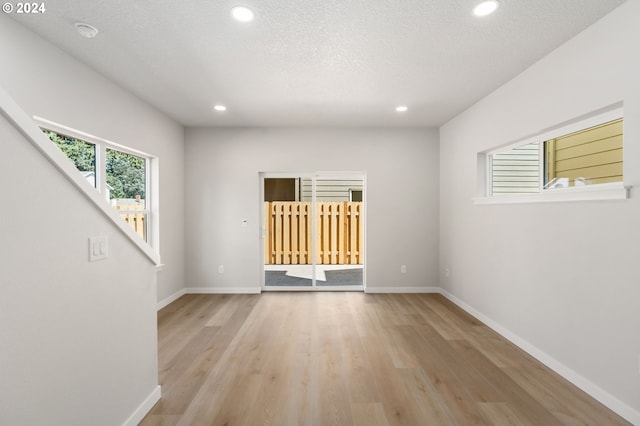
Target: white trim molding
(402,290)
(596,392)
(101,146)
(222,290)
(576,379)
(28,128)
(603,191)
(144,408)
(170,299)
(275,288)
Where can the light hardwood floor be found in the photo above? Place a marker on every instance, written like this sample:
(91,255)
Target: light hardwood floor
(351,359)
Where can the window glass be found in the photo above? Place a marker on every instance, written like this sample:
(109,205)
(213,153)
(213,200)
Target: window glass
(587,157)
(516,171)
(562,159)
(125,183)
(126,175)
(81,153)
(126,186)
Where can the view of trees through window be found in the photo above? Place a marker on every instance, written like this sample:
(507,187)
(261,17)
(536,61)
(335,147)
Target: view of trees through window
(125,175)
(81,153)
(125,183)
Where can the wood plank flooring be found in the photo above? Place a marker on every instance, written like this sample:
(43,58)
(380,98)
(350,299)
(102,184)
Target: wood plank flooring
(351,359)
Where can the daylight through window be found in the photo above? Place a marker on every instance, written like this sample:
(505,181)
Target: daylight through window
(81,153)
(564,158)
(125,180)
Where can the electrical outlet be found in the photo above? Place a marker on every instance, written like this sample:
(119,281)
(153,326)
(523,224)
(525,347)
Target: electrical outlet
(221,269)
(447,273)
(403,269)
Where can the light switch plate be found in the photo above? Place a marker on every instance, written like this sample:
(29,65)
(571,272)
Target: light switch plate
(98,249)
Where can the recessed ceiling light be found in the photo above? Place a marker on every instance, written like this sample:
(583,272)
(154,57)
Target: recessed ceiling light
(86,30)
(402,108)
(242,14)
(486,8)
(220,108)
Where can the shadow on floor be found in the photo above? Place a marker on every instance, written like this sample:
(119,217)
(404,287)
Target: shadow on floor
(339,277)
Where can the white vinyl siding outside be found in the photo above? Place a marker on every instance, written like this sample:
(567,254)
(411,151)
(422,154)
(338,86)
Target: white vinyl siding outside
(516,171)
(331,189)
(588,152)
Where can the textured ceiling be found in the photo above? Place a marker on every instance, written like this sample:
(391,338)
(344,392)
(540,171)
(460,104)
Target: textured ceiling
(313,62)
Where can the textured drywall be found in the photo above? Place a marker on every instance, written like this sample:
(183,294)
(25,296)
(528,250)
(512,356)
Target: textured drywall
(310,62)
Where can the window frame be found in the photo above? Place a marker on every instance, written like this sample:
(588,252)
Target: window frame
(147,176)
(599,191)
(151,175)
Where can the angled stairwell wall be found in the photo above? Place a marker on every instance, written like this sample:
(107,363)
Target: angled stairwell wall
(78,338)
(78,342)
(49,83)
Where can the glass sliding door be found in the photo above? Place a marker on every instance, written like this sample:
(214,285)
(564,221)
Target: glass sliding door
(288,233)
(313,231)
(339,231)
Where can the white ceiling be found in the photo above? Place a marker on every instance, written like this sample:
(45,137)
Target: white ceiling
(313,62)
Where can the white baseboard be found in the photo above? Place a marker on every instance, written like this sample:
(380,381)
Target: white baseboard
(614,404)
(144,408)
(223,290)
(175,296)
(402,290)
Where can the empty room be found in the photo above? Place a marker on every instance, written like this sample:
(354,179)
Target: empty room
(420,212)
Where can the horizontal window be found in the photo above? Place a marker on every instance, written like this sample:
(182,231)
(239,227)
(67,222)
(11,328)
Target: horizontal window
(585,153)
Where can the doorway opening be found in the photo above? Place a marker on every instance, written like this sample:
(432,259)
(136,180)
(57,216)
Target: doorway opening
(313,231)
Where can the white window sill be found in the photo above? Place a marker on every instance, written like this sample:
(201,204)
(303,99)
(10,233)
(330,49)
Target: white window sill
(604,191)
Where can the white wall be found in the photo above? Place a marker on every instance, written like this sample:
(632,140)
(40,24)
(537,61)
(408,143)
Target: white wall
(562,276)
(78,339)
(48,83)
(222,188)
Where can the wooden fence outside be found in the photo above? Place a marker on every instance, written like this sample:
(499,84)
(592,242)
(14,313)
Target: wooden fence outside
(136,220)
(288,238)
